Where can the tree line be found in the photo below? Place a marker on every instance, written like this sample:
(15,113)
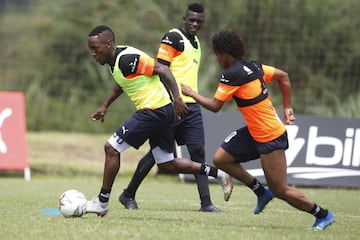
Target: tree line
(45,52)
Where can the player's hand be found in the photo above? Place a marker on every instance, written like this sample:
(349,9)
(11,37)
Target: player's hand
(289,116)
(180,108)
(186,90)
(99,114)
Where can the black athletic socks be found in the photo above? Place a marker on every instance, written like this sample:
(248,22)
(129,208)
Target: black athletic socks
(257,187)
(104,195)
(143,168)
(318,211)
(208,170)
(203,189)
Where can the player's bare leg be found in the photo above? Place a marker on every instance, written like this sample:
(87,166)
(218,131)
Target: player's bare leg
(100,204)
(274,166)
(228,163)
(184,165)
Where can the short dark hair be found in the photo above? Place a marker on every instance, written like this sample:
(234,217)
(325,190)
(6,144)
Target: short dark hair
(196,7)
(100,29)
(230,42)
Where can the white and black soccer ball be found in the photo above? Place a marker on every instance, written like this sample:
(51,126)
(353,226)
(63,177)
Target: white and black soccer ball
(72,203)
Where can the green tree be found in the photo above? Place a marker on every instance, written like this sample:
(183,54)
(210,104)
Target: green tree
(45,52)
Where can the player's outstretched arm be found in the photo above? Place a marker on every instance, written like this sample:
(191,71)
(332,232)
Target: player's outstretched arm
(168,78)
(99,114)
(211,104)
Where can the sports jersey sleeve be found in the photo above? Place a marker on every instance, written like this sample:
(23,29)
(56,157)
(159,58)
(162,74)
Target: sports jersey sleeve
(228,84)
(132,65)
(225,92)
(268,72)
(170,47)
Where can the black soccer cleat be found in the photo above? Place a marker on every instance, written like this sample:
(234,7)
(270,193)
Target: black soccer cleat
(129,203)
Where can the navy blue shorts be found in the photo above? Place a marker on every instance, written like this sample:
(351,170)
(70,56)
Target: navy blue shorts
(153,125)
(190,129)
(241,145)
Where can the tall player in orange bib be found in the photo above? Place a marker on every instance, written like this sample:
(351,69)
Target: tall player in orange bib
(180,50)
(264,135)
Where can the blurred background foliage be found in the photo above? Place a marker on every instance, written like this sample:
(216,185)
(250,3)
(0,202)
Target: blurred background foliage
(44,53)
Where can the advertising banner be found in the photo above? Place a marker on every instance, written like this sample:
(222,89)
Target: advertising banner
(322,151)
(13,144)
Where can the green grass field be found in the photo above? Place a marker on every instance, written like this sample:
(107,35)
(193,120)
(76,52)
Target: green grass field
(168,208)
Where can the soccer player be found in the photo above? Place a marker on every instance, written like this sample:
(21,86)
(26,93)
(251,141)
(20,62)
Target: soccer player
(180,50)
(138,75)
(264,135)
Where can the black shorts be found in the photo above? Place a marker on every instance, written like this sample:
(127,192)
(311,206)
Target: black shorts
(241,145)
(190,129)
(153,125)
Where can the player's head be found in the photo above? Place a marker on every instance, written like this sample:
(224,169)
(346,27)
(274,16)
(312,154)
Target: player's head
(227,42)
(101,42)
(102,29)
(193,18)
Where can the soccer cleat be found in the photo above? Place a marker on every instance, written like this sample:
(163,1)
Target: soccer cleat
(321,223)
(95,206)
(129,203)
(226,184)
(209,208)
(263,200)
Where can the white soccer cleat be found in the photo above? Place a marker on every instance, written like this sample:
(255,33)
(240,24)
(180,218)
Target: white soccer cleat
(226,184)
(95,206)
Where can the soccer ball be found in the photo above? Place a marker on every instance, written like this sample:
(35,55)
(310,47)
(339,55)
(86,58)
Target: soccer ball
(72,203)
